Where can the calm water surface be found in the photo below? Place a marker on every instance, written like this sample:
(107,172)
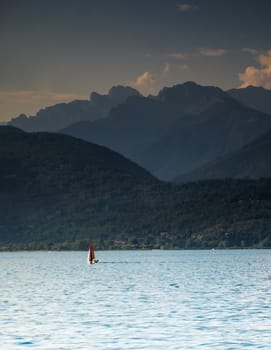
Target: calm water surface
(136,300)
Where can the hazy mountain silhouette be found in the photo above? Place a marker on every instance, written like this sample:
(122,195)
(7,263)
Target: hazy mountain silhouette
(190,97)
(254,97)
(61,115)
(129,127)
(251,161)
(195,140)
(179,130)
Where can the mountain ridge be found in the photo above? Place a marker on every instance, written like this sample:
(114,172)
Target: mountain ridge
(56,117)
(175,132)
(251,161)
(159,135)
(253,96)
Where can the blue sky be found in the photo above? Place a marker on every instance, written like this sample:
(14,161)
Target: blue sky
(54,51)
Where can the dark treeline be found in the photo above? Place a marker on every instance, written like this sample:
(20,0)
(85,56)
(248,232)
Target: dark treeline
(212,214)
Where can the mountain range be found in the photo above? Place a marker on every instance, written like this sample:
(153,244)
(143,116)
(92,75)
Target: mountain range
(183,128)
(177,131)
(59,116)
(59,192)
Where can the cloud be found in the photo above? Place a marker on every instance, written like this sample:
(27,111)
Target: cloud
(250,50)
(29,102)
(177,56)
(187,7)
(258,76)
(147,82)
(212,52)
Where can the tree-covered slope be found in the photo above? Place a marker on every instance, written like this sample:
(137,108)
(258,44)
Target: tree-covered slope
(58,192)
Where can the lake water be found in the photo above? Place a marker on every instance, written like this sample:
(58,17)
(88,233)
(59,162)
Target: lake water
(136,300)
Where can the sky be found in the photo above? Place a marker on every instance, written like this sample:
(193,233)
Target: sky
(55,51)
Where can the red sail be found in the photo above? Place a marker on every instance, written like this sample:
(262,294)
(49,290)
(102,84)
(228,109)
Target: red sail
(91,252)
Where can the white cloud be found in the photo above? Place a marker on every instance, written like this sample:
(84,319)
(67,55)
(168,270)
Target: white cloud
(29,102)
(169,74)
(258,76)
(187,7)
(145,82)
(212,52)
(148,83)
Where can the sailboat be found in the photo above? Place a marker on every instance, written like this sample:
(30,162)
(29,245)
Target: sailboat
(91,254)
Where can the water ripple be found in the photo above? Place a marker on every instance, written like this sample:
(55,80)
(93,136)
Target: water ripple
(136,300)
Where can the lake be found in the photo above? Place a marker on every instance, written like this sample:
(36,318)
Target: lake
(216,299)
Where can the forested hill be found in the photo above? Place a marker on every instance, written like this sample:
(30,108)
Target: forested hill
(43,157)
(58,192)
